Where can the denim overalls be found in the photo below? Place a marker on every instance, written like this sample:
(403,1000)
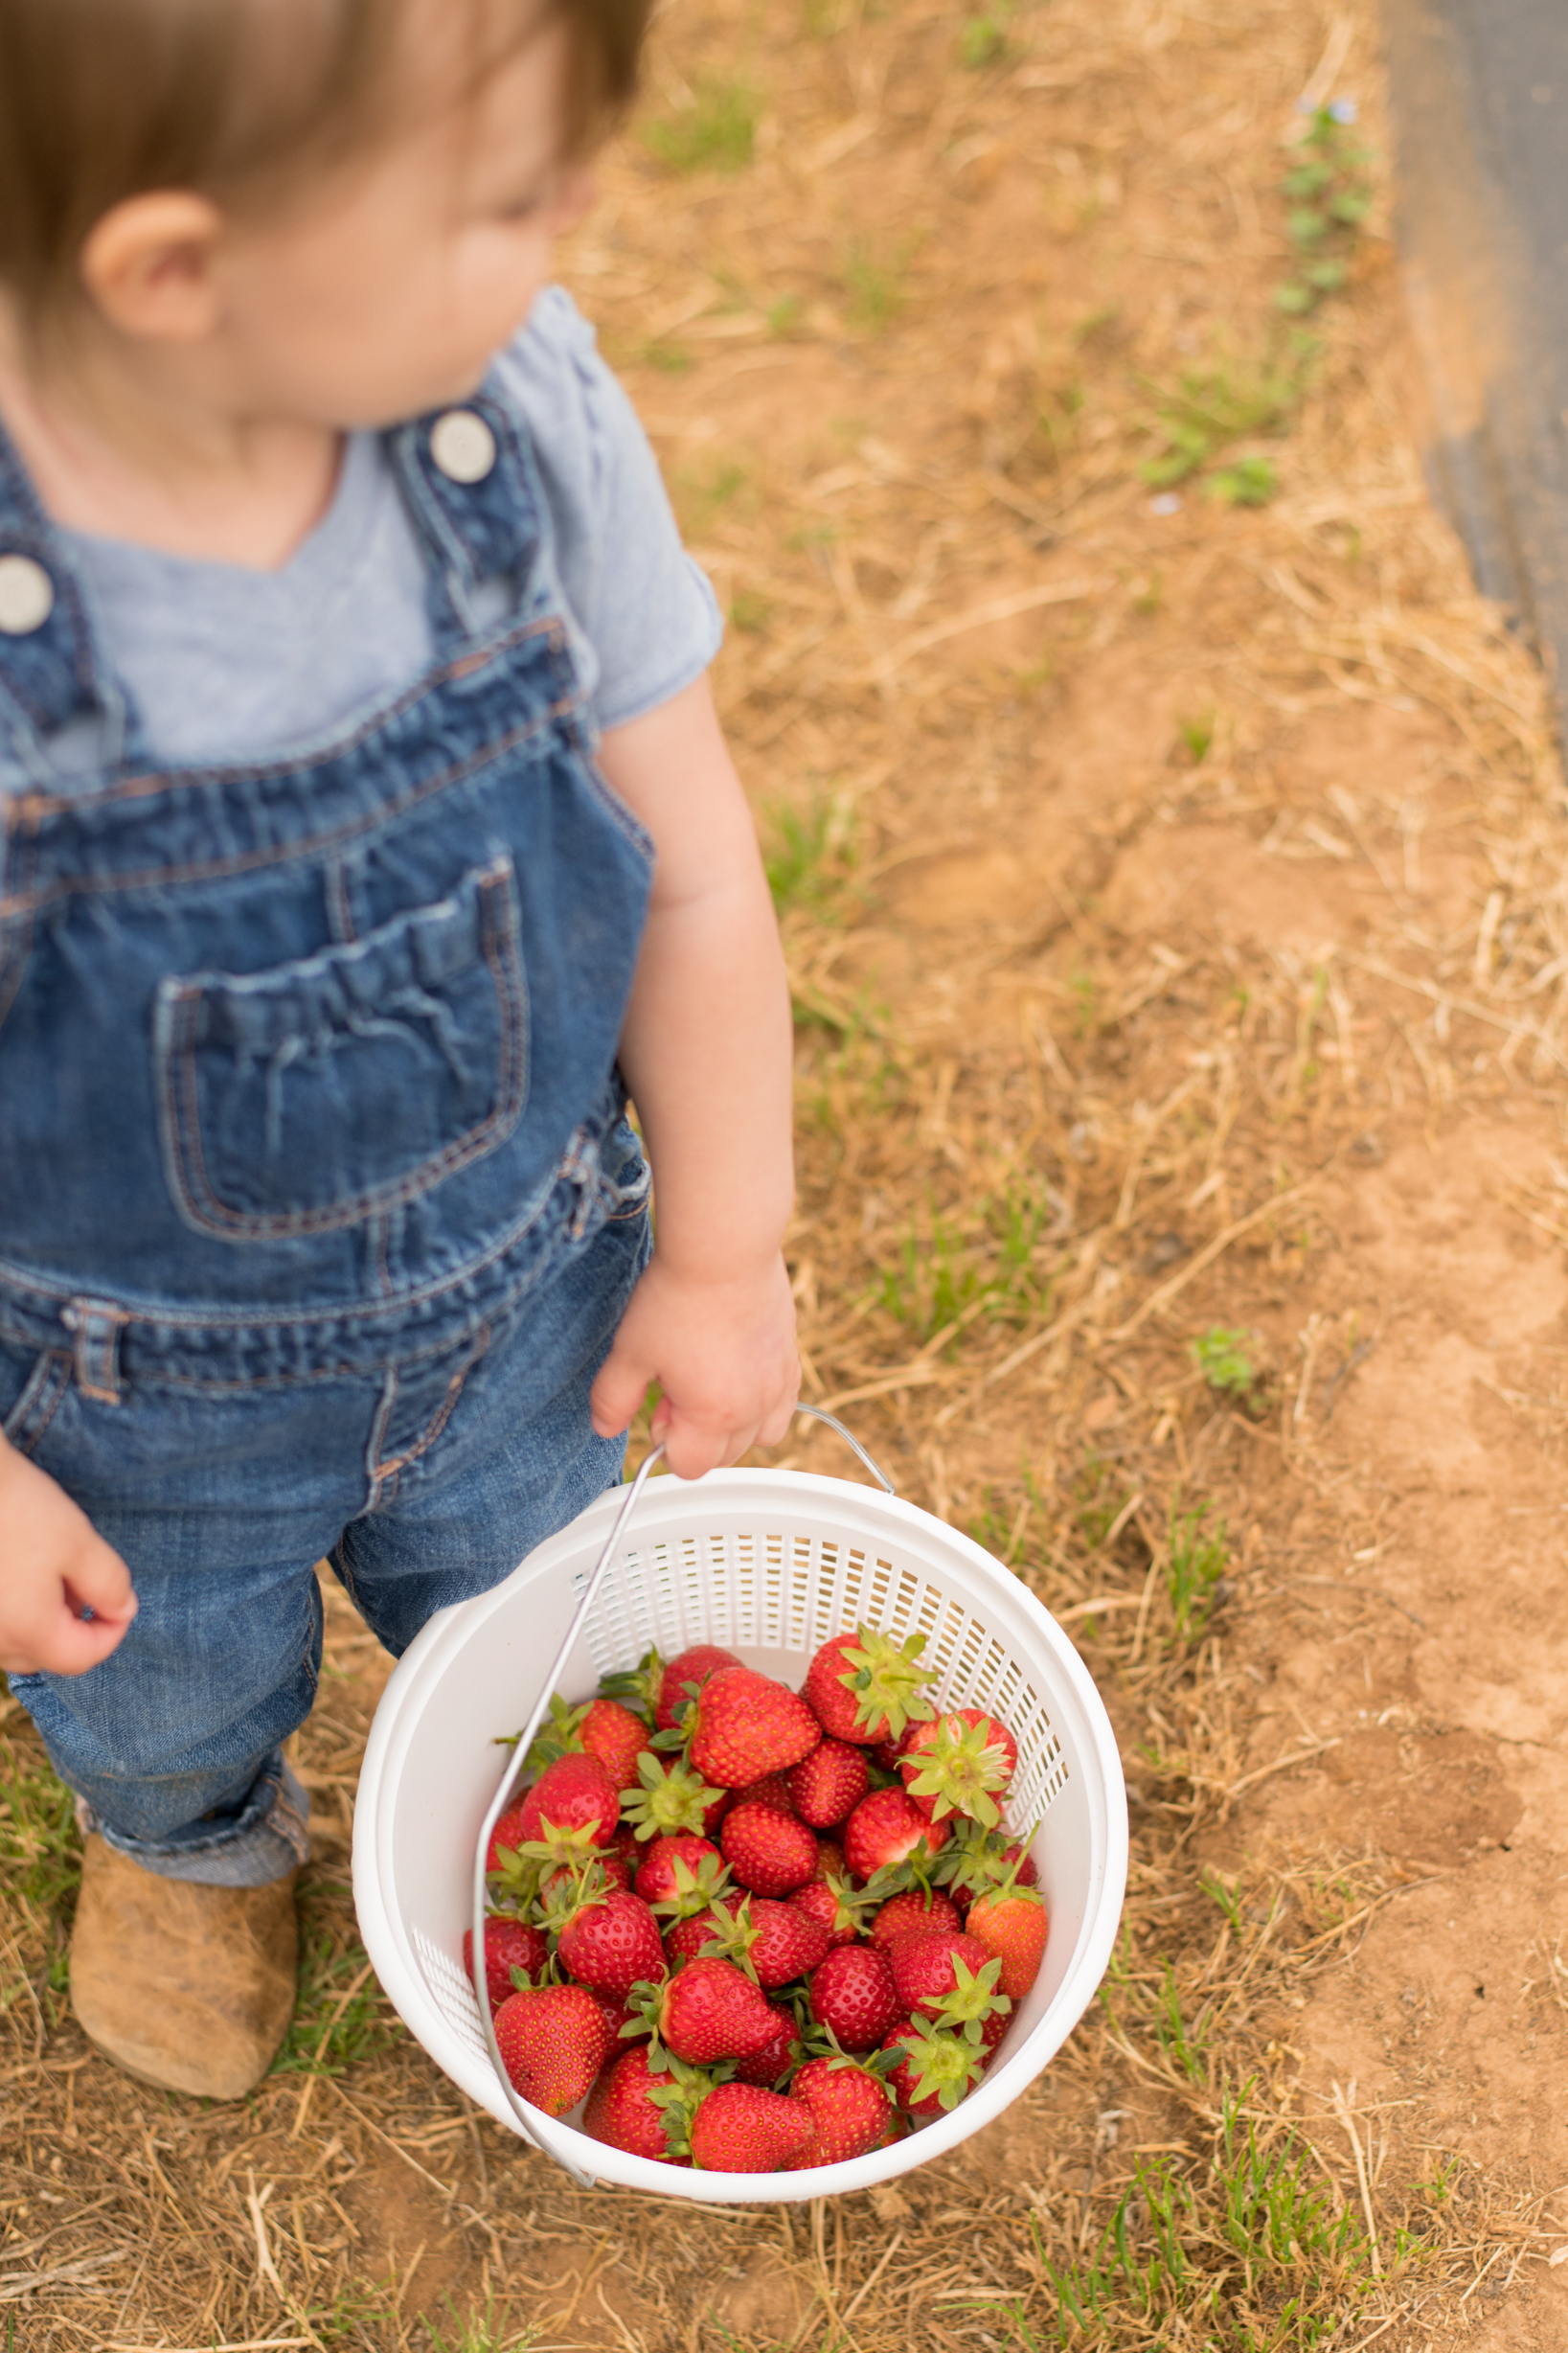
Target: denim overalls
(318,1205)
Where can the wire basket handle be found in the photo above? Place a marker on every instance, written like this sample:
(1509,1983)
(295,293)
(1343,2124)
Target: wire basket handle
(525,1742)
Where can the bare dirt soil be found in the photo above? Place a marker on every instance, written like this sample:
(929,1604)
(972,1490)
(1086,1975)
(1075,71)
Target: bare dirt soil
(1173,889)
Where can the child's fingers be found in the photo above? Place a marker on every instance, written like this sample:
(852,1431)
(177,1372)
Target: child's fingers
(619,1389)
(98,1579)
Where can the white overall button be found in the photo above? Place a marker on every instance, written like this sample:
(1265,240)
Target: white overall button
(462,445)
(27,596)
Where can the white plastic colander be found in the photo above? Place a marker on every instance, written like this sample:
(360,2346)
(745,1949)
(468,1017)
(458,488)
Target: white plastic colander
(769,1563)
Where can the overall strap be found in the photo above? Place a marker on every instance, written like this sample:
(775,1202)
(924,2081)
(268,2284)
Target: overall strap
(473,489)
(51,669)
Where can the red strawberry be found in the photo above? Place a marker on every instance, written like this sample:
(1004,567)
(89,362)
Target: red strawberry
(746,1725)
(773,1790)
(617,1737)
(603,1874)
(944,1975)
(913,1909)
(710,2010)
(553,2040)
(885,1828)
(1012,1923)
(854,1995)
(623,2114)
(686,1938)
(656,1881)
(769,1852)
(509,1945)
(828,1784)
(740,2128)
(960,1763)
(773,1942)
(611,1942)
(936,2067)
(670,1797)
(848,2106)
(866,1687)
(835,1906)
(771,2061)
(508,1833)
(887,1752)
(693,1666)
(573,1794)
(831,1863)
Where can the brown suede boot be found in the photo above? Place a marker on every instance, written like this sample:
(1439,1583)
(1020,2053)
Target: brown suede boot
(184,1986)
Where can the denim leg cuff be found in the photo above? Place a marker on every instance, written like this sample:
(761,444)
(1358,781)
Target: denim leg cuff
(267,1841)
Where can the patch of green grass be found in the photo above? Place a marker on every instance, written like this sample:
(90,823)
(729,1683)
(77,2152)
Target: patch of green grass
(1250,482)
(714,132)
(40,1847)
(1197,736)
(809,853)
(476,2335)
(1220,1354)
(749,611)
(1328,197)
(348,2319)
(876,286)
(983,39)
(334,2027)
(983,1268)
(1209,412)
(1101,1495)
(670,358)
(783,317)
(704,492)
(1196,1562)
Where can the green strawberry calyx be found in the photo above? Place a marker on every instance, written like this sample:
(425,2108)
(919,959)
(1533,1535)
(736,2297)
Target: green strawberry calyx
(974,1996)
(678,2102)
(671,1798)
(885,1677)
(962,1768)
(696,1891)
(943,2065)
(635,1688)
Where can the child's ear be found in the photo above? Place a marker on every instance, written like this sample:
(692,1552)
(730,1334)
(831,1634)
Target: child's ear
(147,265)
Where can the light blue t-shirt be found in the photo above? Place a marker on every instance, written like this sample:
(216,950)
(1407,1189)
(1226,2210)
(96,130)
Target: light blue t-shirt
(228,664)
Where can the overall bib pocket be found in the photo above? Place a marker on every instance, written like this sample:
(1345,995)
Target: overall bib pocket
(310,1097)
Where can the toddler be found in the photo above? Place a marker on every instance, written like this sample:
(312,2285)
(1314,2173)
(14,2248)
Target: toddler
(368,834)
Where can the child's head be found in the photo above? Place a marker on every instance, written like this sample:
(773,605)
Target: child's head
(342,206)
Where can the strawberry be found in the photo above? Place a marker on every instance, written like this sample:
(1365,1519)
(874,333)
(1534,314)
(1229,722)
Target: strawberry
(936,2067)
(886,1754)
(913,1910)
(745,1724)
(553,2040)
(774,1943)
(666,1798)
(771,2061)
(831,1863)
(621,2021)
(944,1975)
(979,1858)
(690,1667)
(827,1784)
(573,1795)
(508,1835)
(884,1829)
(866,1687)
(1011,1922)
(740,2128)
(611,1942)
(698,1933)
(626,2110)
(709,2010)
(768,1852)
(600,1876)
(849,2105)
(835,1906)
(617,1737)
(657,1879)
(773,1790)
(509,1944)
(961,1763)
(854,1995)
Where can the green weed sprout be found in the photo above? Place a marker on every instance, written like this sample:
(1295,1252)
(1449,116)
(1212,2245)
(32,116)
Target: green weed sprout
(1220,1354)
(1197,1561)
(717,131)
(1327,197)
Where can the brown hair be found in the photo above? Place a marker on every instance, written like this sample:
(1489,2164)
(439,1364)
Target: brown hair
(103,99)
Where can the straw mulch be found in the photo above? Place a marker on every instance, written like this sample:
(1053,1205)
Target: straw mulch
(908,300)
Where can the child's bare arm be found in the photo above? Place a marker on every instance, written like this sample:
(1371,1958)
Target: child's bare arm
(52,1565)
(707,1054)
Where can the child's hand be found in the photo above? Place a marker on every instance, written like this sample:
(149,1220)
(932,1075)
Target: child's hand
(54,1564)
(724,1354)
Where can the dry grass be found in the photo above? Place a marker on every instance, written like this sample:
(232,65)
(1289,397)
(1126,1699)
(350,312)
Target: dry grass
(906,328)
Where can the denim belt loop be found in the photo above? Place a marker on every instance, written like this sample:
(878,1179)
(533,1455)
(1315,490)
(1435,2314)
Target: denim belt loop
(97,1325)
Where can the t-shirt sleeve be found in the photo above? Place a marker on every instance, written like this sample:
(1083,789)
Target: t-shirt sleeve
(647,618)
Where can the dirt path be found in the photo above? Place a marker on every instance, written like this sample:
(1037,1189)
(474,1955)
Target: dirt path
(1172,894)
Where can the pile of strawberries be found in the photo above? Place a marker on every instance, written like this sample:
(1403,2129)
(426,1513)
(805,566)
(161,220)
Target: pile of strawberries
(760,1928)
